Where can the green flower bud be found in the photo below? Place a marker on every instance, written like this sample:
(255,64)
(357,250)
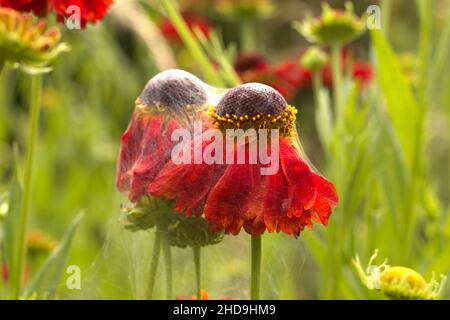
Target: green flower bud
(314,59)
(333,27)
(399,283)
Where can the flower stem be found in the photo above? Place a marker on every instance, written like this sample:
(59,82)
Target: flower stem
(316,87)
(35,98)
(256,267)
(198,275)
(154,265)
(248,42)
(337,80)
(167,260)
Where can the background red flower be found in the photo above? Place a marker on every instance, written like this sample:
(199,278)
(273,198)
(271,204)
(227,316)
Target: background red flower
(37,6)
(91,11)
(170,33)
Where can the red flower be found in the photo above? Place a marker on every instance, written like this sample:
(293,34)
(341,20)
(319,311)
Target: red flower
(146,144)
(37,6)
(91,10)
(363,72)
(233,196)
(253,67)
(170,32)
(250,62)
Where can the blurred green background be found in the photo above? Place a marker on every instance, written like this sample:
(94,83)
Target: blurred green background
(88,101)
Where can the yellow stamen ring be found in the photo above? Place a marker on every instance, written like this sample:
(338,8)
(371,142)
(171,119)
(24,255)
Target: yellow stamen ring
(284,121)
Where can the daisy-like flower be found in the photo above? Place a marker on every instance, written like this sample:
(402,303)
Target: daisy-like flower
(398,282)
(333,26)
(233,196)
(25,42)
(169,100)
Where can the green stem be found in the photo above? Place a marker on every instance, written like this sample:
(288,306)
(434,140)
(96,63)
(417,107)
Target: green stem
(337,81)
(248,35)
(316,87)
(256,267)
(198,275)
(36,90)
(167,260)
(191,43)
(154,265)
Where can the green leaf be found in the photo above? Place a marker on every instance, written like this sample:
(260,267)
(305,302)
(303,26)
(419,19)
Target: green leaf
(401,104)
(46,281)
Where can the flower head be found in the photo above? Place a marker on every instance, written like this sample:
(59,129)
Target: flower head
(38,7)
(245,9)
(169,100)
(27,43)
(334,27)
(238,195)
(398,282)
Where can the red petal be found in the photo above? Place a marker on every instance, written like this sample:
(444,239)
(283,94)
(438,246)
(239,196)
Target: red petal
(302,190)
(131,148)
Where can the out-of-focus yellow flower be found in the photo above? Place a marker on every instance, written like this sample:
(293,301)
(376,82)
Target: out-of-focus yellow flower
(314,59)
(398,282)
(27,43)
(39,243)
(245,8)
(333,27)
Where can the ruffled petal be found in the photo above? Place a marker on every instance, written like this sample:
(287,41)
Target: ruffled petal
(302,191)
(187,184)
(327,198)
(131,148)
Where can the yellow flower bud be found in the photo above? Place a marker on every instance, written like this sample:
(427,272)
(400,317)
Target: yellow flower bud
(398,282)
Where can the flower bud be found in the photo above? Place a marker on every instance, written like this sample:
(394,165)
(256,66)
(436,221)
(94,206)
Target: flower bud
(398,282)
(314,59)
(333,27)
